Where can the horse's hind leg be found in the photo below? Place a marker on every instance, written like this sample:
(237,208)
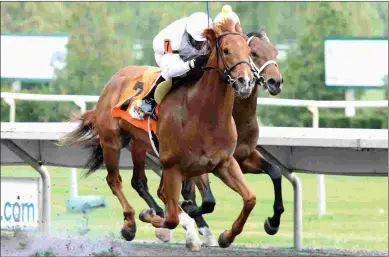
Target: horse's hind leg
(256,164)
(189,205)
(111,151)
(139,183)
(169,193)
(188,192)
(232,176)
(139,179)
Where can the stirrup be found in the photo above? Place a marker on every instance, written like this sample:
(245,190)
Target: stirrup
(153,115)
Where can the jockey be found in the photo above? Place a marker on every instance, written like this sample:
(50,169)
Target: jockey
(178,48)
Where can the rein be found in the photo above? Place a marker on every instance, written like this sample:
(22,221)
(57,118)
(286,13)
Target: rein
(226,74)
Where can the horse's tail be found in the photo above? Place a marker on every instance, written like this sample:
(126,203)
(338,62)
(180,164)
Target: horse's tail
(86,132)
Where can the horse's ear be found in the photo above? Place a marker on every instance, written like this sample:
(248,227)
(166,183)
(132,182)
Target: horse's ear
(264,35)
(238,28)
(210,35)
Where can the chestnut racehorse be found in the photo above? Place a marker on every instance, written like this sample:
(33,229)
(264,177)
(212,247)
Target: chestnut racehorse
(200,113)
(263,54)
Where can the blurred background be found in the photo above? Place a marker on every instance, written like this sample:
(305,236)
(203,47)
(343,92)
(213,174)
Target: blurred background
(103,37)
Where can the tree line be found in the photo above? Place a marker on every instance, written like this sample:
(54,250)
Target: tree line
(103,36)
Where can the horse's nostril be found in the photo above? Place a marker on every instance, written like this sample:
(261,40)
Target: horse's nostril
(241,80)
(271,82)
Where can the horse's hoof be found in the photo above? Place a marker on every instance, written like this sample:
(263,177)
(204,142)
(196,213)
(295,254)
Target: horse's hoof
(208,238)
(223,243)
(128,234)
(187,205)
(190,202)
(193,246)
(269,229)
(146,212)
(163,234)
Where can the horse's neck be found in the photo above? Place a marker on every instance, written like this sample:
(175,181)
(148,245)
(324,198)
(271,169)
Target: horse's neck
(215,100)
(245,109)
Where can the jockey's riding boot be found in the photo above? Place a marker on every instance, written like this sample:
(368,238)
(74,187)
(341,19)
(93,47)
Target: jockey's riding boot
(148,106)
(148,103)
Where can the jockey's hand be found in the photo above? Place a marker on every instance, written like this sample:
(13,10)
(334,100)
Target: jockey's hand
(199,61)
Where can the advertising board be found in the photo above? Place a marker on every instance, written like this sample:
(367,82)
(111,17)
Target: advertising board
(20,203)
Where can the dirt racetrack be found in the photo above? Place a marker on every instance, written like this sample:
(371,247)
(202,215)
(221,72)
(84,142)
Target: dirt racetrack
(50,246)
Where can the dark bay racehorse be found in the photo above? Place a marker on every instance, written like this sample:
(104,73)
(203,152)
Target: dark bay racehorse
(200,113)
(250,160)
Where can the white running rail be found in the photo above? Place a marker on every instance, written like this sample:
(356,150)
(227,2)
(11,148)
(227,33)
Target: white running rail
(312,105)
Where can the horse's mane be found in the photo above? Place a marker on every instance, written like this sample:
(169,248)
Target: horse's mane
(226,25)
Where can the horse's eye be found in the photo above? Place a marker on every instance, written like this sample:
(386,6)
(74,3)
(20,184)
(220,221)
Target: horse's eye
(254,54)
(225,51)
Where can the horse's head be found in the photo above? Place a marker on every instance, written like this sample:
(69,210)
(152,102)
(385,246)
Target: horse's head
(230,55)
(264,55)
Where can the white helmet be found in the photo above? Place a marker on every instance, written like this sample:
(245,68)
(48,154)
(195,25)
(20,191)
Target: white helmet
(226,13)
(196,25)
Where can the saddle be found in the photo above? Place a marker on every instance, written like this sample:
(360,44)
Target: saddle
(158,92)
(138,88)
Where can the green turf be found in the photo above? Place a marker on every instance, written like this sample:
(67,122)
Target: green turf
(357,209)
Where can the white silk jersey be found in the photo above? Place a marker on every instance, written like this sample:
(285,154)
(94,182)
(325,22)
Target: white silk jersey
(173,50)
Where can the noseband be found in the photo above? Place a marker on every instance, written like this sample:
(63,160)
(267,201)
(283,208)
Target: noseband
(258,71)
(226,74)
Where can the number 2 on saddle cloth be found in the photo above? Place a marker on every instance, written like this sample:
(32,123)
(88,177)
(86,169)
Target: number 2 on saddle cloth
(138,85)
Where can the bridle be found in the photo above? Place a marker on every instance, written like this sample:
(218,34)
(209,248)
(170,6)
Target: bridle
(258,71)
(226,74)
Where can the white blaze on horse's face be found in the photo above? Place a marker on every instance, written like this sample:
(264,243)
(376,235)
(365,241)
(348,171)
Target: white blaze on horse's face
(263,56)
(236,53)
(246,86)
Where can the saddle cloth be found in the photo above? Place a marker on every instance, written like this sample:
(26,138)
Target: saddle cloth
(129,101)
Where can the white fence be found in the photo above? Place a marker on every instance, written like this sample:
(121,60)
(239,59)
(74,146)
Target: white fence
(311,105)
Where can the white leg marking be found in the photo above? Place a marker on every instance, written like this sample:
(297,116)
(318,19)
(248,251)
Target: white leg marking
(192,238)
(208,238)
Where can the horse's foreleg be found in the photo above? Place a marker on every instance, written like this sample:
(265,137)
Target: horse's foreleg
(114,180)
(188,192)
(257,164)
(232,176)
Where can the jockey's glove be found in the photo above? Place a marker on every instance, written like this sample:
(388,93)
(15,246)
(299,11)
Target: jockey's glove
(199,61)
